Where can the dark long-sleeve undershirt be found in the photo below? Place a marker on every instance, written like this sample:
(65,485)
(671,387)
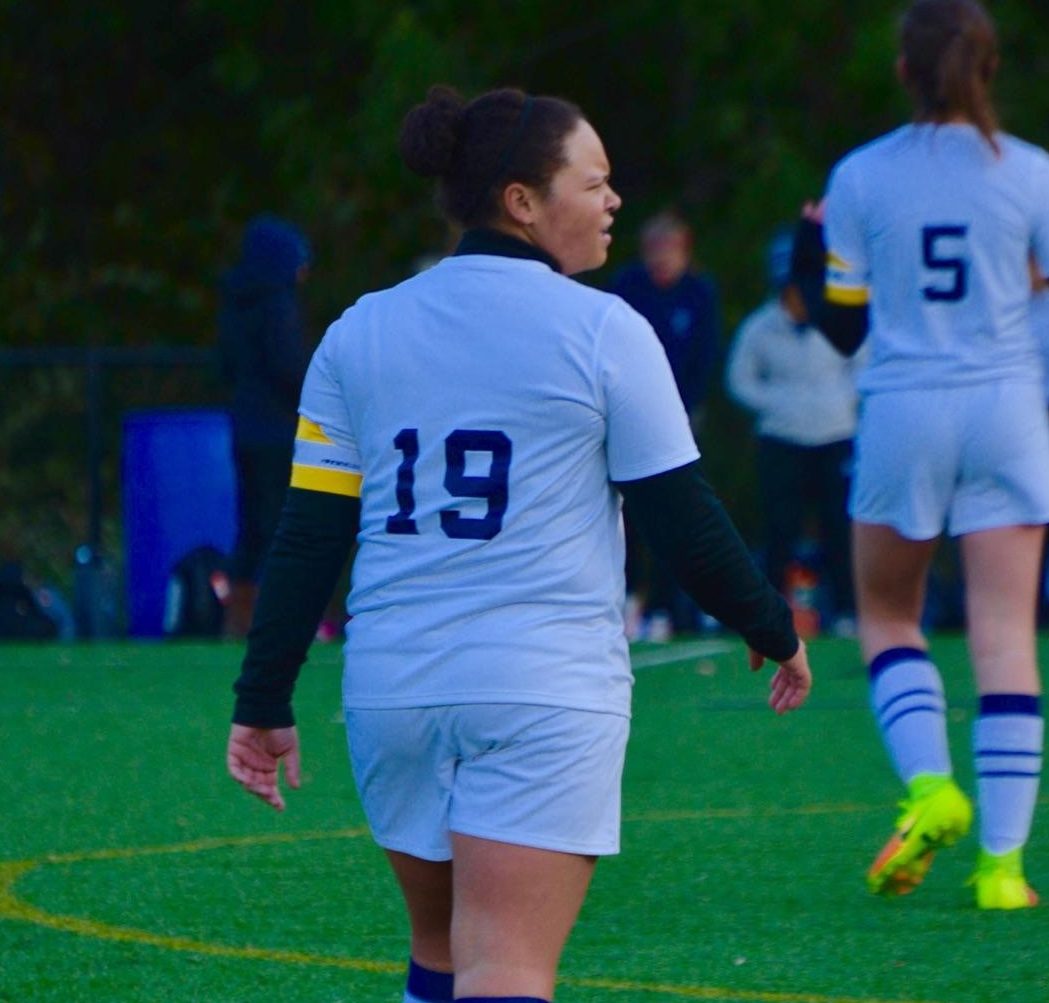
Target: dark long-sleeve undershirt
(309,551)
(685,525)
(844,327)
(677,511)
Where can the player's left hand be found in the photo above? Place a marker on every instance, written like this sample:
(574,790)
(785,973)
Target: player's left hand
(792,682)
(253,758)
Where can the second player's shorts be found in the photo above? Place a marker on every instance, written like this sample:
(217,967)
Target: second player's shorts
(543,777)
(967,458)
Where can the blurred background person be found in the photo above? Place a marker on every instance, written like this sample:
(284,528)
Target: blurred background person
(802,394)
(681,303)
(1040,326)
(263,358)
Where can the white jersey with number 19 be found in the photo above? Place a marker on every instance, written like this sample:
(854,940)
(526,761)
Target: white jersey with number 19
(482,409)
(946,224)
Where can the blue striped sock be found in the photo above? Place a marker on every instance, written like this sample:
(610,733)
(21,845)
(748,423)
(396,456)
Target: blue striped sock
(1007,751)
(910,708)
(427,986)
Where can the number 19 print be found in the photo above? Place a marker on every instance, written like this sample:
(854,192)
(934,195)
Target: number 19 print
(492,487)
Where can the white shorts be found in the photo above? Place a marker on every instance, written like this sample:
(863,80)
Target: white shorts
(966,458)
(545,777)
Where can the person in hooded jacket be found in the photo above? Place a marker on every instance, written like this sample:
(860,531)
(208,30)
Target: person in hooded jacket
(263,358)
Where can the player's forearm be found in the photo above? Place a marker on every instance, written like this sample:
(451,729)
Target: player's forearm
(686,526)
(309,551)
(845,327)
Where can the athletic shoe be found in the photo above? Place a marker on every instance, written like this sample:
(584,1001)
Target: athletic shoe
(1000,883)
(936,814)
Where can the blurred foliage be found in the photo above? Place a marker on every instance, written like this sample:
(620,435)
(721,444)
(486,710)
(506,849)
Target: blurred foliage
(137,138)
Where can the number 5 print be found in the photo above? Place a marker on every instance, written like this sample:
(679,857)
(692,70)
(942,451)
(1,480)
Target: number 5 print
(955,267)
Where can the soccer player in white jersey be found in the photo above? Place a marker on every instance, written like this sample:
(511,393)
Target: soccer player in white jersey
(928,233)
(476,429)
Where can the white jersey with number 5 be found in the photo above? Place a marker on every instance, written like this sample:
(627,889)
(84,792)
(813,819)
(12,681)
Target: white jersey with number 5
(482,409)
(946,226)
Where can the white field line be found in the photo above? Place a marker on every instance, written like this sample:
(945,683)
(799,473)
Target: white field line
(654,658)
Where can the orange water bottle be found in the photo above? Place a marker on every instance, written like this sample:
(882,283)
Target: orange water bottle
(801,584)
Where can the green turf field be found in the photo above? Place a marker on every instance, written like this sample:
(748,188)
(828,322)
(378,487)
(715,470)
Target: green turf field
(132,868)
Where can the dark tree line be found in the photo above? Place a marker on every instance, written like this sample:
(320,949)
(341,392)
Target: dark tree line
(137,137)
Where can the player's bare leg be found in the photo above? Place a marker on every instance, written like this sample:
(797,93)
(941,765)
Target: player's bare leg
(1001,583)
(427,889)
(908,702)
(890,573)
(514,909)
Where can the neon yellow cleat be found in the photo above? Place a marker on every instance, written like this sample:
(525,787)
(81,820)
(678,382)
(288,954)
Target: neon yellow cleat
(1000,883)
(936,814)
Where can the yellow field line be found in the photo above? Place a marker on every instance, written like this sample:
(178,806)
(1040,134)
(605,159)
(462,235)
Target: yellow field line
(15,909)
(720,993)
(200,845)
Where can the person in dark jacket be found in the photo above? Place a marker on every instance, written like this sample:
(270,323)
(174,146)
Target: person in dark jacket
(263,357)
(681,304)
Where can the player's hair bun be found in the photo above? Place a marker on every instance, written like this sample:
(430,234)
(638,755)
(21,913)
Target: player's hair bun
(430,132)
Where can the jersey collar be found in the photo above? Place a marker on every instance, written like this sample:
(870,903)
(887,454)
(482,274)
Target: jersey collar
(486,241)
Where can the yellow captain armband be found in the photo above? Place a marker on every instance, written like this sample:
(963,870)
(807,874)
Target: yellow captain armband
(847,295)
(329,480)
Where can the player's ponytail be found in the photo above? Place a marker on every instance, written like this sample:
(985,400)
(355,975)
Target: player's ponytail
(950,51)
(476,148)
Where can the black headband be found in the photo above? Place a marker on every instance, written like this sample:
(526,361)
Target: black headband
(515,140)
(507,155)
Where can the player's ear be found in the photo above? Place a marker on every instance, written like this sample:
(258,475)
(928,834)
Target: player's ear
(519,203)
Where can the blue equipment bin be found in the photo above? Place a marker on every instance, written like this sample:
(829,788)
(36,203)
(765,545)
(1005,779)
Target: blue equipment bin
(179,492)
